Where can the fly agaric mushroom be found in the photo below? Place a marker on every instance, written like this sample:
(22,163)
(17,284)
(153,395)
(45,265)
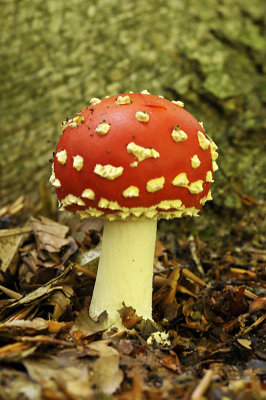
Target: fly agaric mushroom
(131,160)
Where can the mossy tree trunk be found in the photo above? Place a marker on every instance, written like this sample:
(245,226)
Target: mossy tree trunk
(55,55)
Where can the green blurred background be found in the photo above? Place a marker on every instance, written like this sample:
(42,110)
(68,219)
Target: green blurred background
(57,54)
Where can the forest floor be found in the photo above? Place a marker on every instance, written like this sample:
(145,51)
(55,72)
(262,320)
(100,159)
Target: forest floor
(207,340)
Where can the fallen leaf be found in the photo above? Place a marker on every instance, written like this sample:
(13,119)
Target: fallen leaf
(17,385)
(16,351)
(10,241)
(172,362)
(129,317)
(83,323)
(194,318)
(37,324)
(245,343)
(36,294)
(65,368)
(60,300)
(50,235)
(88,259)
(107,376)
(123,346)
(55,326)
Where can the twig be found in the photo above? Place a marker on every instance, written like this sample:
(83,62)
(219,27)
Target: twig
(45,339)
(193,250)
(10,293)
(242,272)
(250,250)
(22,314)
(14,208)
(137,386)
(193,277)
(85,271)
(13,232)
(250,295)
(203,385)
(30,264)
(249,328)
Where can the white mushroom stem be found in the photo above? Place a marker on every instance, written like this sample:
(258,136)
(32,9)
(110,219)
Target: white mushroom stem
(125,270)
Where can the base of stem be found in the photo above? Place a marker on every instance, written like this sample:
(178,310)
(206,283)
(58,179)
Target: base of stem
(125,270)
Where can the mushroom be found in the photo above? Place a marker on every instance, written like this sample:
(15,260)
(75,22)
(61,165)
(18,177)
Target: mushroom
(130,160)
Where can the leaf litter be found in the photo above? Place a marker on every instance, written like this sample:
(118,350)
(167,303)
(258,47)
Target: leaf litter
(207,340)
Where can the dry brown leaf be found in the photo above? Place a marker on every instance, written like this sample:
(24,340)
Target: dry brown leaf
(16,351)
(88,259)
(107,376)
(50,235)
(245,343)
(194,318)
(60,300)
(172,362)
(37,324)
(84,325)
(11,349)
(10,241)
(32,300)
(36,294)
(18,385)
(65,368)
(79,369)
(129,317)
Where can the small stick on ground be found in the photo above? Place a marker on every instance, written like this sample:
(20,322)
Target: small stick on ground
(85,271)
(193,250)
(203,385)
(254,325)
(10,293)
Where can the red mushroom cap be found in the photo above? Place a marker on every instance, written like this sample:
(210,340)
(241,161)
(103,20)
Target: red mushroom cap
(133,155)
